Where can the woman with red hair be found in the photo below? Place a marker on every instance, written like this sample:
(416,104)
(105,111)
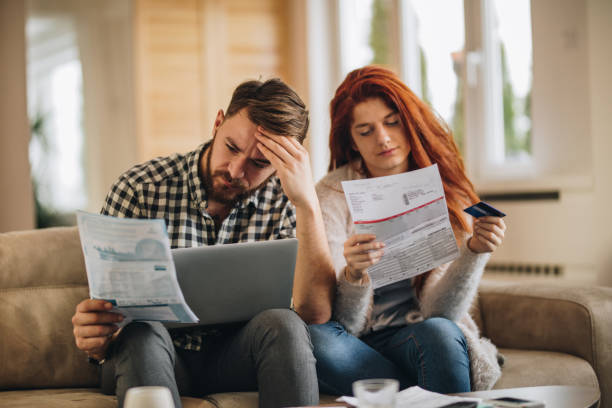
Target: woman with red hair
(417,330)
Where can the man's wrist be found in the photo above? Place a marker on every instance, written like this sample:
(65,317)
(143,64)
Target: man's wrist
(307,207)
(95,361)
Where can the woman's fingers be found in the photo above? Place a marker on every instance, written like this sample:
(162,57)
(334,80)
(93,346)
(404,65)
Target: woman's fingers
(488,234)
(494,224)
(359,239)
(367,256)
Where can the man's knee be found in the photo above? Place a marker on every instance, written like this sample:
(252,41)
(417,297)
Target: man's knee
(144,338)
(281,325)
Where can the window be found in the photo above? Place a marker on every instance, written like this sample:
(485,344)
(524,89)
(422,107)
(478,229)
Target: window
(472,64)
(368,34)
(433,57)
(55,101)
(502,76)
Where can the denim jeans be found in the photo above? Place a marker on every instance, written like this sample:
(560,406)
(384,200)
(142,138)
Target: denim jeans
(431,354)
(271,354)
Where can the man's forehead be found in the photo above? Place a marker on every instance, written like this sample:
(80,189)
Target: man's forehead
(240,131)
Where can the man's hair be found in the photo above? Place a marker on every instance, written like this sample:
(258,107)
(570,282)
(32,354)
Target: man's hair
(273,105)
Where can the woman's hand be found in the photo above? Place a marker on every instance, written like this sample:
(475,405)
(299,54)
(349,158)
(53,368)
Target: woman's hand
(361,251)
(488,234)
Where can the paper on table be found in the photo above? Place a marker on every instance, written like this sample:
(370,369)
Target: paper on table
(408,212)
(418,397)
(129,263)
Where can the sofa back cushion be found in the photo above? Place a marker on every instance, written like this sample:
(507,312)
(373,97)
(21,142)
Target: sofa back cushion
(42,279)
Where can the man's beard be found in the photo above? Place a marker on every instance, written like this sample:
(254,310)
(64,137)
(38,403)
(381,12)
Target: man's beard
(238,190)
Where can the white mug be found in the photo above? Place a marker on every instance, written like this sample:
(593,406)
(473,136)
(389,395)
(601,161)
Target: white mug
(148,397)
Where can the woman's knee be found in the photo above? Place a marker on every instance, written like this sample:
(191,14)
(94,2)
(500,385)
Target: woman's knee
(442,334)
(326,332)
(335,347)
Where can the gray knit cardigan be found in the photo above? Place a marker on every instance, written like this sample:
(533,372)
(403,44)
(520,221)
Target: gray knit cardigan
(448,292)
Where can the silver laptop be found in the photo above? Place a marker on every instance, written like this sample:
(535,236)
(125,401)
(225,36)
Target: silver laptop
(234,282)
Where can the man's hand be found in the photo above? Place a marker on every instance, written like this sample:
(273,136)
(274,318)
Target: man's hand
(292,164)
(361,251)
(488,234)
(94,326)
(314,284)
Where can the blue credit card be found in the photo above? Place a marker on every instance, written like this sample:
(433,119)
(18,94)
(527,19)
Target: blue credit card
(483,209)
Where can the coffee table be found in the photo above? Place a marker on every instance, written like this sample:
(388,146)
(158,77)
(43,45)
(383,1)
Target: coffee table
(554,396)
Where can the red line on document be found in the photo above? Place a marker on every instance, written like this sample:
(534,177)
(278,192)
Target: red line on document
(400,214)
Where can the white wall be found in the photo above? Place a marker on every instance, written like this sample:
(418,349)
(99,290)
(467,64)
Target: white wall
(575,105)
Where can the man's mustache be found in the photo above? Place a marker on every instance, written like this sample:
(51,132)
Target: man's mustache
(234,183)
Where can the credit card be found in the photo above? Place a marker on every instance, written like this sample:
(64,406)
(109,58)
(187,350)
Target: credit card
(482,209)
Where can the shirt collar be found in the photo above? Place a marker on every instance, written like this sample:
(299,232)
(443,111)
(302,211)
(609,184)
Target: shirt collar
(196,184)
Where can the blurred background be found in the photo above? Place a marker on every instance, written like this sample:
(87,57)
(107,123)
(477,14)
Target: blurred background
(89,88)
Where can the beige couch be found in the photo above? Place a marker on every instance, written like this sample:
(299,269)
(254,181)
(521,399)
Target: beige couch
(548,335)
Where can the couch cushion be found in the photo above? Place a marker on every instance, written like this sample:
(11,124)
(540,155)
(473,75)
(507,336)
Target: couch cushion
(42,279)
(51,256)
(92,398)
(58,398)
(525,368)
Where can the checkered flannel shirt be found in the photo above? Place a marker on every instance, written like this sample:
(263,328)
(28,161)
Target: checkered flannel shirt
(171,188)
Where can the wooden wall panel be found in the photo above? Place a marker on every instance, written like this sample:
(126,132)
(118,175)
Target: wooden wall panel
(168,46)
(190,56)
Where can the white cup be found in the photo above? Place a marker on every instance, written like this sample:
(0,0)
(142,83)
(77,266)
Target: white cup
(148,397)
(376,392)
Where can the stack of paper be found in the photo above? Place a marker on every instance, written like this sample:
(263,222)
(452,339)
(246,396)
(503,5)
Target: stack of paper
(418,397)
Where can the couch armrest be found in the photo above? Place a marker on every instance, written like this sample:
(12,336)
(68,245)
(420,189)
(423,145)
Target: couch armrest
(573,320)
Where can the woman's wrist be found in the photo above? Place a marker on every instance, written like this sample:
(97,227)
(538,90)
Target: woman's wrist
(362,279)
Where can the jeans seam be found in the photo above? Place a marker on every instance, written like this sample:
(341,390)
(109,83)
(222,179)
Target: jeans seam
(422,360)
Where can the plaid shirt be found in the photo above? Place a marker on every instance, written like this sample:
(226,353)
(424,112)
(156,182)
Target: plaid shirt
(171,188)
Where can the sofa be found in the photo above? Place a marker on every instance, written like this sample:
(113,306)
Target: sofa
(548,335)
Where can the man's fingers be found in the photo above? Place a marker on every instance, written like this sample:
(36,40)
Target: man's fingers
(275,148)
(91,344)
(290,144)
(270,156)
(94,318)
(93,305)
(95,331)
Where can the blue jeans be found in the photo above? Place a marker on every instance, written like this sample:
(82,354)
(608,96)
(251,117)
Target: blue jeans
(271,354)
(431,354)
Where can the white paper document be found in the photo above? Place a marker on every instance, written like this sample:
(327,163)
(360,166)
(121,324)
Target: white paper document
(408,213)
(129,264)
(418,397)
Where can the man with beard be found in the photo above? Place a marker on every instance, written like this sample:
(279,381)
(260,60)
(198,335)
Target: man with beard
(251,182)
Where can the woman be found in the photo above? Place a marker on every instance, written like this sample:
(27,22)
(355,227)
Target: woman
(417,330)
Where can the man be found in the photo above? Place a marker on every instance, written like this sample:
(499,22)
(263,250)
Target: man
(252,182)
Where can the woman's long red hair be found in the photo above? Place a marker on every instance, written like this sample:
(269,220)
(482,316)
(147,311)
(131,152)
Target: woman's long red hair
(430,139)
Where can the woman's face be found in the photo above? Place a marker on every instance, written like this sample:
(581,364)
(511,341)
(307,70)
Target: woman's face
(378,135)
